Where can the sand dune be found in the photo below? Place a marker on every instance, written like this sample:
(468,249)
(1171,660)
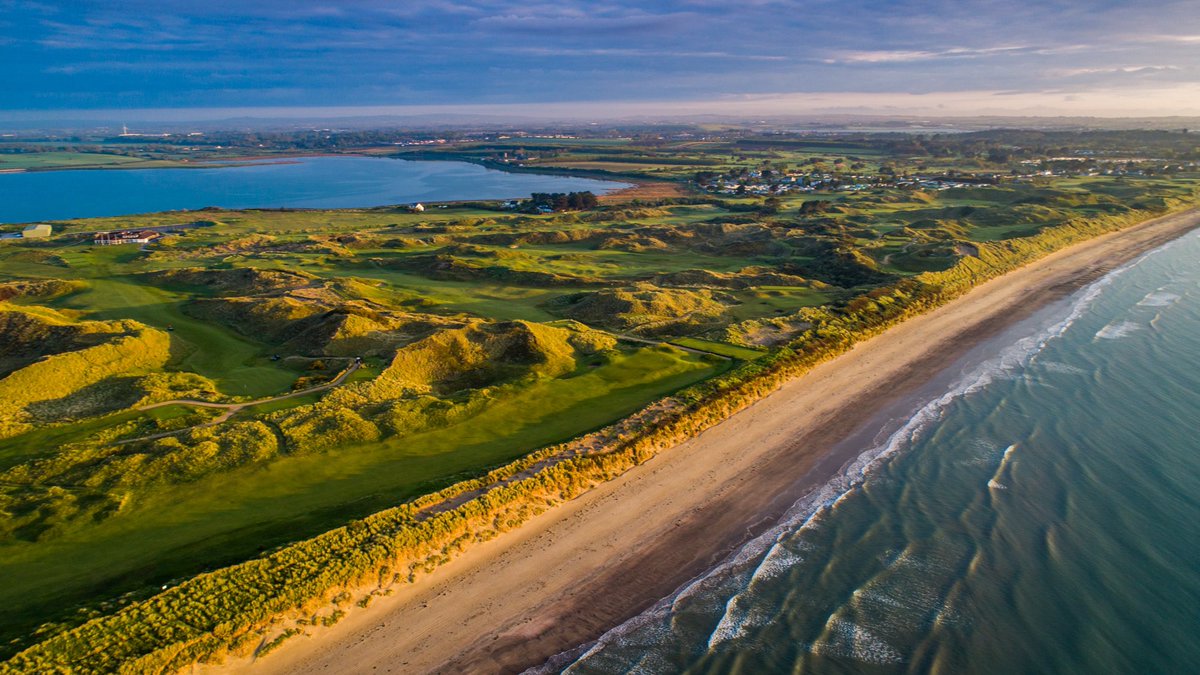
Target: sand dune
(571,573)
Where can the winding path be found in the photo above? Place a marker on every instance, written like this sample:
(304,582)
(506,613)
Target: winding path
(232,409)
(658,343)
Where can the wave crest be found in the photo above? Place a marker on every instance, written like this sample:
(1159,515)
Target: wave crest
(735,576)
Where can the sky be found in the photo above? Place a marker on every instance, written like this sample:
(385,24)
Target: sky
(601,58)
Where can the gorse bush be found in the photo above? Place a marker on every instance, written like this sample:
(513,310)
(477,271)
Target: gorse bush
(481,353)
(139,350)
(433,383)
(645,309)
(43,289)
(227,611)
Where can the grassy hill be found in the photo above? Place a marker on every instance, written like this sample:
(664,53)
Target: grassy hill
(479,337)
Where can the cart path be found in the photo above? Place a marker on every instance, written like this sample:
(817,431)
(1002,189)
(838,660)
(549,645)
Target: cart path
(232,409)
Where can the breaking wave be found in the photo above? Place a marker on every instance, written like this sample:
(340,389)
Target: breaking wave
(774,552)
(1159,298)
(1118,330)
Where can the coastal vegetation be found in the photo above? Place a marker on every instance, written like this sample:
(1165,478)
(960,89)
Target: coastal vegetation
(507,361)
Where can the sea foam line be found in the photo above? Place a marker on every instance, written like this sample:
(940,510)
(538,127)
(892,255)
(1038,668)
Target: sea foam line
(809,509)
(1118,330)
(1159,298)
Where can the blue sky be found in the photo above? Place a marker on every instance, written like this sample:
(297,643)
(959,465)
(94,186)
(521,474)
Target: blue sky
(956,56)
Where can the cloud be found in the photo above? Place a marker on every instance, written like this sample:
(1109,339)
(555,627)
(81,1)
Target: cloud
(910,55)
(364,52)
(882,56)
(1179,99)
(1186,39)
(1119,70)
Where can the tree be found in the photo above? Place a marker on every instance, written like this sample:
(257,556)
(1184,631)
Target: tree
(998,156)
(814,206)
(560,201)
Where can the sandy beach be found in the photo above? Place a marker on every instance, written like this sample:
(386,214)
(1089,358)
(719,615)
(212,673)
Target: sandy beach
(642,190)
(575,571)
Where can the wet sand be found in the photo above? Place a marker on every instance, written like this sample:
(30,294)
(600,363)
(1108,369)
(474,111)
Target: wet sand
(575,571)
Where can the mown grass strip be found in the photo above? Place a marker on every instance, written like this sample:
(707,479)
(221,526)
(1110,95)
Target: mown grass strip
(226,611)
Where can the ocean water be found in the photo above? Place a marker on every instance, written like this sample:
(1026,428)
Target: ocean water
(1042,515)
(307,182)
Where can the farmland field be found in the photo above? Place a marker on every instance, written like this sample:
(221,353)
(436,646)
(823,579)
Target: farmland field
(80,160)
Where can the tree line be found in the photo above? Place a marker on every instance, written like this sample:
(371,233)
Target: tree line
(560,201)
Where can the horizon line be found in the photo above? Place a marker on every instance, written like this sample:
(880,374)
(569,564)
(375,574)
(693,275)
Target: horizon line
(1180,101)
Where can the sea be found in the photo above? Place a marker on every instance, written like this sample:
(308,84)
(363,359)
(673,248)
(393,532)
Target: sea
(1038,514)
(304,182)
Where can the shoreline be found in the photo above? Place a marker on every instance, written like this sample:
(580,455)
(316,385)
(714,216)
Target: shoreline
(613,196)
(636,187)
(215,163)
(618,549)
(649,190)
(862,448)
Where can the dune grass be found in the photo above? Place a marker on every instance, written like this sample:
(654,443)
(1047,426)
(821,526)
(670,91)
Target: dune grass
(494,300)
(46,440)
(166,531)
(164,534)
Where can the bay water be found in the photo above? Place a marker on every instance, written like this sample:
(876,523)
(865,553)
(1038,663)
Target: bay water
(302,182)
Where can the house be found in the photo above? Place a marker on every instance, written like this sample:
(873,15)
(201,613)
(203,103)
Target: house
(39,231)
(125,237)
(417,208)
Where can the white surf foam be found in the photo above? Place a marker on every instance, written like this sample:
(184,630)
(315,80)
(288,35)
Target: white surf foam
(741,612)
(808,511)
(1159,298)
(737,621)
(850,640)
(1062,368)
(1118,330)
(1005,462)
(777,562)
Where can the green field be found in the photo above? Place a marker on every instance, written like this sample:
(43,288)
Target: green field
(484,334)
(168,533)
(239,365)
(777,300)
(721,348)
(40,161)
